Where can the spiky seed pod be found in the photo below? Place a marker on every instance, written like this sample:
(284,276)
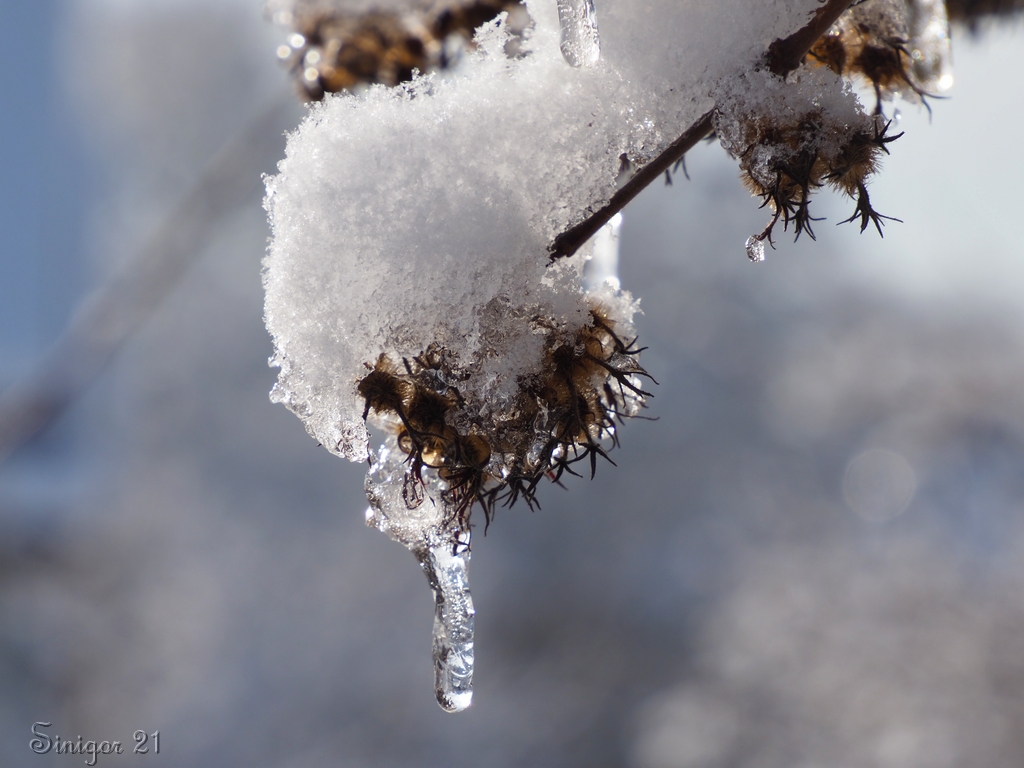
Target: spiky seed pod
(830,50)
(383,390)
(796,135)
(336,51)
(871,40)
(563,414)
(854,164)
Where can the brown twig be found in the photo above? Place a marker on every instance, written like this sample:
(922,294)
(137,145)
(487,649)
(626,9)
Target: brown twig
(567,243)
(782,57)
(786,54)
(110,315)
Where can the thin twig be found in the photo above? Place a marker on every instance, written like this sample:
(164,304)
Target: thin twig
(783,56)
(567,243)
(787,54)
(111,314)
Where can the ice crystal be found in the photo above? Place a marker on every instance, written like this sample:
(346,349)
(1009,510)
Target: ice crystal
(579,39)
(754,248)
(929,45)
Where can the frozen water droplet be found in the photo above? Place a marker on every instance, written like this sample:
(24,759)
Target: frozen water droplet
(929,46)
(580,41)
(755,248)
(453,626)
(412,507)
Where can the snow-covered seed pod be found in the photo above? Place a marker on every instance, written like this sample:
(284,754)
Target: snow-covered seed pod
(564,412)
(901,47)
(424,481)
(333,48)
(792,137)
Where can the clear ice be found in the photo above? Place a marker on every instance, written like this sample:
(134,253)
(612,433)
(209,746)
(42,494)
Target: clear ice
(579,39)
(412,509)
(929,45)
(453,625)
(602,268)
(755,248)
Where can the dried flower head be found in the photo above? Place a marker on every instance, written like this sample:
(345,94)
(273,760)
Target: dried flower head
(564,413)
(332,49)
(872,40)
(791,140)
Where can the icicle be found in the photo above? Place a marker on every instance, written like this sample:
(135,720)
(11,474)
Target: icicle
(929,45)
(453,625)
(411,508)
(580,41)
(602,268)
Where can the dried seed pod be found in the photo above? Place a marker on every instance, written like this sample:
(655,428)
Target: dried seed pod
(858,160)
(565,413)
(793,136)
(875,40)
(332,49)
(383,390)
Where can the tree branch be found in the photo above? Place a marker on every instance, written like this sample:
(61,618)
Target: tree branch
(110,315)
(782,57)
(567,243)
(787,54)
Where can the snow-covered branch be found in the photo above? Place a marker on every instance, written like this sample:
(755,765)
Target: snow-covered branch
(429,240)
(783,56)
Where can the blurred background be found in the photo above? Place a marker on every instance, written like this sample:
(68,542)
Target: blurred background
(814,557)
